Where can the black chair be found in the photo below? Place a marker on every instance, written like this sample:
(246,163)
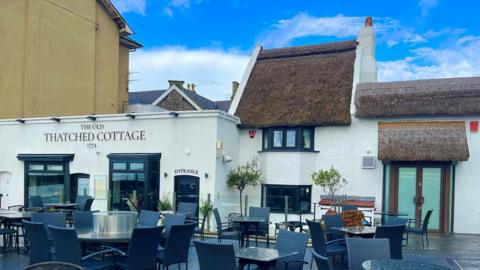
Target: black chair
(142,249)
(57,219)
(291,242)
(326,249)
(224,231)
(17,225)
(393,220)
(420,228)
(36,201)
(81,202)
(362,249)
(263,228)
(172,219)
(67,249)
(330,222)
(200,230)
(148,218)
(88,204)
(215,256)
(39,249)
(83,221)
(8,233)
(189,209)
(395,236)
(176,246)
(54,266)
(323,263)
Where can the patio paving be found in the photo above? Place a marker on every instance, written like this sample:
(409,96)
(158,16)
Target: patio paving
(458,251)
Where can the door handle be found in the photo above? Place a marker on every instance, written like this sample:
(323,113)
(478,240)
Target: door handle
(415,200)
(422,200)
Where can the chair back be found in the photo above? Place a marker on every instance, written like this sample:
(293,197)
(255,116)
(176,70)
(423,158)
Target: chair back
(261,212)
(178,244)
(142,248)
(54,266)
(288,241)
(322,262)
(67,245)
(218,221)
(36,201)
(330,222)
(39,246)
(349,207)
(426,220)
(173,219)
(393,220)
(318,237)
(362,249)
(57,219)
(148,218)
(215,256)
(88,204)
(394,234)
(190,209)
(83,221)
(81,200)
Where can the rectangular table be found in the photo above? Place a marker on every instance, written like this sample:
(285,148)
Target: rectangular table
(362,231)
(244,223)
(264,258)
(62,205)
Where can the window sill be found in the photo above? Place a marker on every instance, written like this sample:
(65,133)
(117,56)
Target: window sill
(289,150)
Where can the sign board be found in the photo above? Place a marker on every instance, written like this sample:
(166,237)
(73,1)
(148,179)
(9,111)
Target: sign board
(100,182)
(185,171)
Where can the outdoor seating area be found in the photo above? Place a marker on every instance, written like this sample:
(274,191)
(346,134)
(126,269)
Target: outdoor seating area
(177,240)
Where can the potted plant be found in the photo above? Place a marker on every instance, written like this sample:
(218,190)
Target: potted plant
(243,176)
(331,181)
(165,203)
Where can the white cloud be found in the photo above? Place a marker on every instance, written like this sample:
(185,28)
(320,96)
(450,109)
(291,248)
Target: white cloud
(460,59)
(427,5)
(212,70)
(135,6)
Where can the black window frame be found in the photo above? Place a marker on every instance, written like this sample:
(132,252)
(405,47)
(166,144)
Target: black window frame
(268,139)
(296,200)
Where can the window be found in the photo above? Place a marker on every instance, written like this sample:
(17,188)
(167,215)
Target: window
(299,198)
(46,180)
(288,139)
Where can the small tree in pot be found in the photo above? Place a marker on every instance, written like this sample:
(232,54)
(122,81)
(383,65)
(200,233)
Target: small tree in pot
(330,180)
(243,176)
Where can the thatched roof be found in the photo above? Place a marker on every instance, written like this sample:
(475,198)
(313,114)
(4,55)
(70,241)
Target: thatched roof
(307,85)
(454,96)
(422,141)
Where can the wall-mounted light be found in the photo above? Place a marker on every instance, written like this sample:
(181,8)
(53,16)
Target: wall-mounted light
(165,174)
(130,115)
(56,119)
(206,175)
(91,118)
(20,120)
(174,114)
(227,159)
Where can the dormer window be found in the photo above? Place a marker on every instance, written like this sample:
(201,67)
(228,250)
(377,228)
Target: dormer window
(288,138)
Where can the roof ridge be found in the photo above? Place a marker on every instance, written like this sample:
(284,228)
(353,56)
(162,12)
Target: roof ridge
(462,80)
(304,50)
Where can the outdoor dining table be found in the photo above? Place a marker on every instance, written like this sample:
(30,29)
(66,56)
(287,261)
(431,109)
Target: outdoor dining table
(392,213)
(9,217)
(264,258)
(244,223)
(293,225)
(104,238)
(392,264)
(62,206)
(359,231)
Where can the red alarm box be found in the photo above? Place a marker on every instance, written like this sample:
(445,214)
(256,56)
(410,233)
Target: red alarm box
(473,126)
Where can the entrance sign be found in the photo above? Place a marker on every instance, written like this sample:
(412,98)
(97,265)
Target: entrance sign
(100,182)
(185,171)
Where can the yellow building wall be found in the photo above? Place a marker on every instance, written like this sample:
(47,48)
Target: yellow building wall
(123,72)
(58,57)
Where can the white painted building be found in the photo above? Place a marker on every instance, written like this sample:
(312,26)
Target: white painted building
(299,110)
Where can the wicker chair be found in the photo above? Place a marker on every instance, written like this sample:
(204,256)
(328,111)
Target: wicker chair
(176,246)
(39,247)
(215,256)
(412,227)
(148,218)
(291,242)
(54,266)
(361,249)
(322,262)
(224,231)
(395,236)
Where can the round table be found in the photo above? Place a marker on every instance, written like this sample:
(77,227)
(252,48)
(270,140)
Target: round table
(92,237)
(392,264)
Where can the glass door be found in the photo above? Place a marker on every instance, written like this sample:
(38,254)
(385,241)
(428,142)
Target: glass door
(186,190)
(431,195)
(407,191)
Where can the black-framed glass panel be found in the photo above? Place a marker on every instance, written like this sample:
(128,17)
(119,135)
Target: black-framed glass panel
(47,179)
(134,181)
(187,189)
(299,198)
(288,139)
(79,185)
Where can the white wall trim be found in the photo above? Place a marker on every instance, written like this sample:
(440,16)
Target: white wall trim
(175,88)
(243,82)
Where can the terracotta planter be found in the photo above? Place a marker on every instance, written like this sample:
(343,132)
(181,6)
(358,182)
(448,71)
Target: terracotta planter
(353,218)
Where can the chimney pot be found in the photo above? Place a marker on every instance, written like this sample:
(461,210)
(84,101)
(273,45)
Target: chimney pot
(235,85)
(177,83)
(369,21)
(193,87)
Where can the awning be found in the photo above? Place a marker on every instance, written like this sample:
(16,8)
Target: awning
(422,141)
(46,157)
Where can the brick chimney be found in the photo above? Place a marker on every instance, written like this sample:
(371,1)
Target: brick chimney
(179,84)
(235,85)
(193,87)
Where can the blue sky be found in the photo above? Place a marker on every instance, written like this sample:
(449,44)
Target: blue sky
(208,42)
